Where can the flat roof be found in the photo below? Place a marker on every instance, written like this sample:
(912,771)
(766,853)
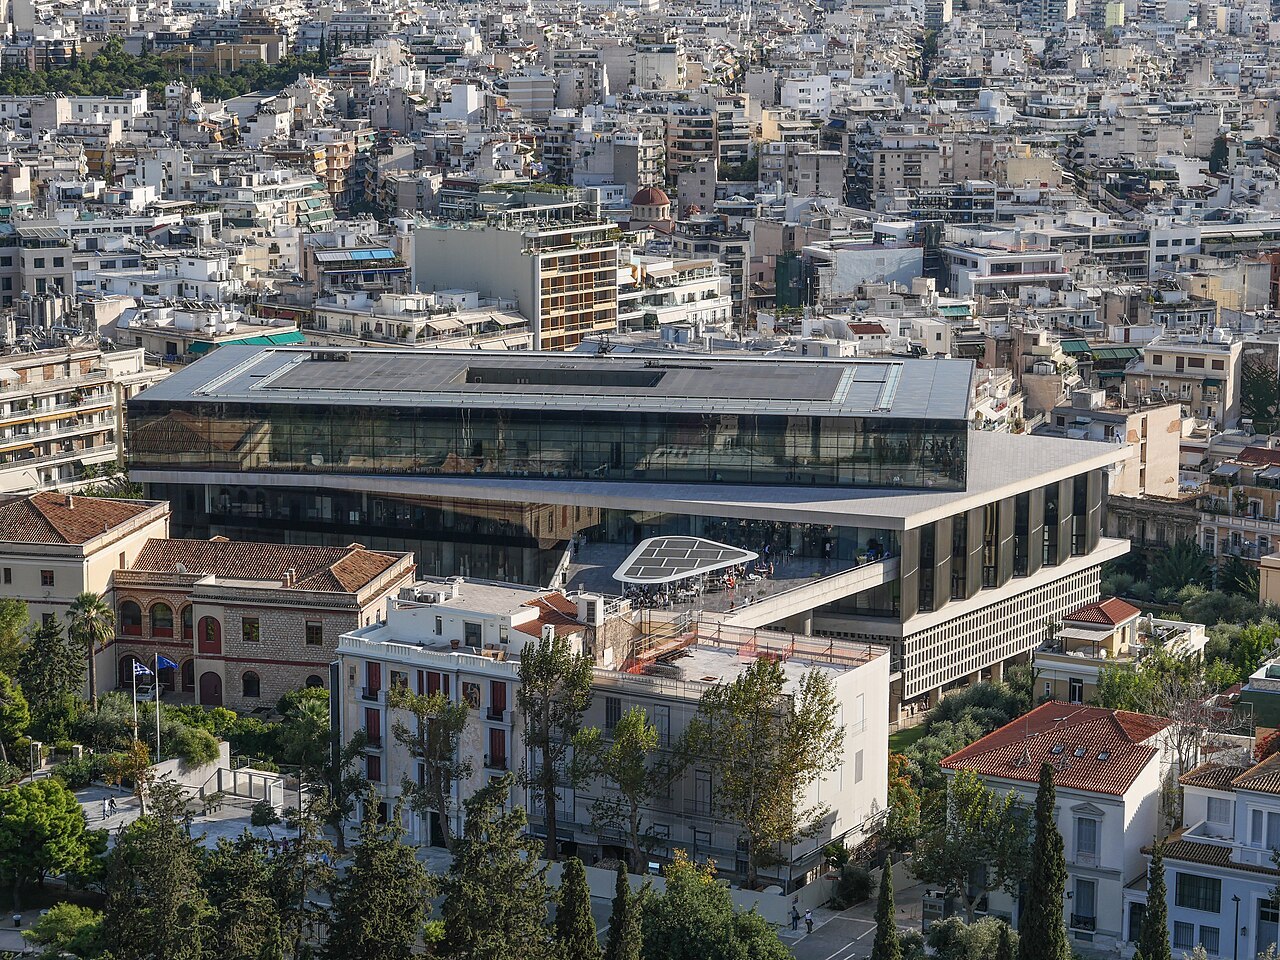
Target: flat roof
(791,386)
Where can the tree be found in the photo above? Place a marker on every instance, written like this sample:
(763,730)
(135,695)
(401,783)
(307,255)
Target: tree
(495,892)
(1006,946)
(953,939)
(1153,936)
(624,941)
(972,842)
(305,733)
(14,621)
(42,832)
(15,716)
(154,897)
(902,825)
(695,919)
(766,747)
(91,622)
(575,926)
(1183,563)
(132,766)
(434,740)
(1042,935)
(339,781)
(555,690)
(238,878)
(1218,157)
(627,763)
(379,904)
(67,928)
(886,945)
(51,674)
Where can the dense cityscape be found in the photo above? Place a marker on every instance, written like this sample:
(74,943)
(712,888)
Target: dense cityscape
(626,480)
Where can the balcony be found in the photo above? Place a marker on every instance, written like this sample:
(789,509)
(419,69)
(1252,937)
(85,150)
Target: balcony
(373,740)
(1079,922)
(499,716)
(372,694)
(495,763)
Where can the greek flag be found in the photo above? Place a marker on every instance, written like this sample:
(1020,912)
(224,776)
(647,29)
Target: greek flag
(140,668)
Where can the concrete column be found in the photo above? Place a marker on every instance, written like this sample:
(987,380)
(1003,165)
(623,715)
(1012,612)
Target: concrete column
(997,671)
(935,697)
(975,678)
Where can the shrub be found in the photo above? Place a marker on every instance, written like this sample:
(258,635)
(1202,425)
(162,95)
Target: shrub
(10,773)
(62,746)
(193,745)
(77,773)
(853,886)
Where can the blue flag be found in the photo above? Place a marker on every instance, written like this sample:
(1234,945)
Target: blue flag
(140,668)
(164,663)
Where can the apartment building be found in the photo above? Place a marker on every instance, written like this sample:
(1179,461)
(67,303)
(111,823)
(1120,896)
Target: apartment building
(1239,506)
(1109,767)
(997,272)
(1150,432)
(456,319)
(245,622)
(1199,370)
(465,639)
(62,414)
(557,261)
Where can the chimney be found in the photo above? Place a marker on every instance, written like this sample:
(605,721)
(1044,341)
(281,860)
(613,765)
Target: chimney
(71,502)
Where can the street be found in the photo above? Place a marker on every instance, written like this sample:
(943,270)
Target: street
(848,935)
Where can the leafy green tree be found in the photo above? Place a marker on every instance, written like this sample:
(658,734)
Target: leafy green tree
(765,749)
(555,691)
(51,674)
(238,878)
(1259,386)
(575,926)
(340,782)
(91,623)
(972,841)
(695,919)
(15,717)
(154,895)
(624,940)
(42,832)
(942,740)
(1042,935)
(1182,564)
(304,735)
(67,929)
(434,739)
(14,621)
(953,939)
(1007,945)
(886,945)
(628,764)
(379,904)
(1153,935)
(1218,156)
(902,826)
(495,892)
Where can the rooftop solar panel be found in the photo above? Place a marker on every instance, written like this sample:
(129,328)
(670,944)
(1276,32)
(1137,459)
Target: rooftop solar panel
(661,560)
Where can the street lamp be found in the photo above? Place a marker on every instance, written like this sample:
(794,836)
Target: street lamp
(1235,932)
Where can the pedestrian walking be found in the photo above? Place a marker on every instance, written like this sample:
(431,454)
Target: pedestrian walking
(795,916)
(106,808)
(808,921)
(112,806)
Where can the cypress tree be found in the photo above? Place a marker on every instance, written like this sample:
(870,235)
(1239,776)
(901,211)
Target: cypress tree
(887,946)
(1042,935)
(575,927)
(1153,938)
(624,922)
(1005,949)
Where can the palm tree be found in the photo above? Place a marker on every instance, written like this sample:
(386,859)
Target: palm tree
(91,622)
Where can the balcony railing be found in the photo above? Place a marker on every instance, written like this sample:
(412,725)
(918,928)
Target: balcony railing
(495,763)
(370,693)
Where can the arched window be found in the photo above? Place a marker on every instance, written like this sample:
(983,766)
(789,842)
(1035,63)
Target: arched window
(188,630)
(162,620)
(124,671)
(250,685)
(130,619)
(315,680)
(188,675)
(210,635)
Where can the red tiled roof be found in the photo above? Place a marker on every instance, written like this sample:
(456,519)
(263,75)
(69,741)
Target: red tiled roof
(324,569)
(1214,776)
(1263,776)
(1092,749)
(1260,455)
(1210,855)
(555,609)
(63,518)
(1110,612)
(871,328)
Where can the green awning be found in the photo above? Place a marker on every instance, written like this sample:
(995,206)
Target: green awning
(1108,373)
(1212,382)
(1075,346)
(200,346)
(293,336)
(1115,353)
(259,340)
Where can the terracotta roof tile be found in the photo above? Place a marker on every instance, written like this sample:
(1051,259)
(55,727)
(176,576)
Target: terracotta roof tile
(1092,749)
(1110,612)
(63,518)
(1263,777)
(1209,854)
(1261,456)
(555,609)
(1214,776)
(323,569)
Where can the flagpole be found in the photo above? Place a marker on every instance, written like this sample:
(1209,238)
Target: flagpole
(157,688)
(135,698)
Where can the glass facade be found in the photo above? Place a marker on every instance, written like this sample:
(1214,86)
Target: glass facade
(583,445)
